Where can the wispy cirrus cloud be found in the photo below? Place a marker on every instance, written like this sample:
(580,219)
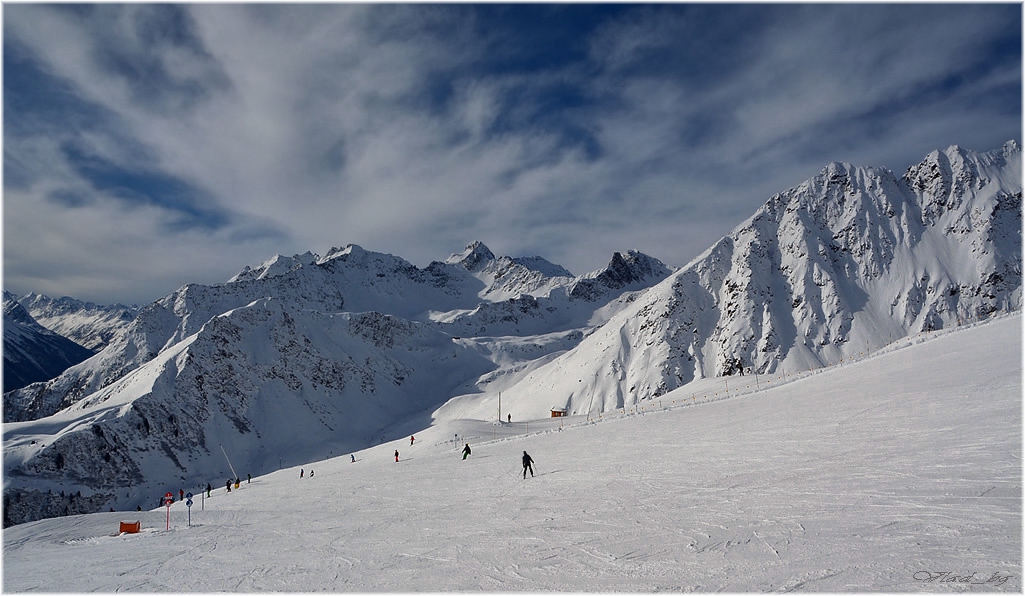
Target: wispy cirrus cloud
(166,144)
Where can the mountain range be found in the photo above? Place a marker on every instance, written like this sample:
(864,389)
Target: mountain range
(309,357)
(32,352)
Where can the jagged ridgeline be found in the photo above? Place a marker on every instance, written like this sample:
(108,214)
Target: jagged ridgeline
(309,356)
(32,352)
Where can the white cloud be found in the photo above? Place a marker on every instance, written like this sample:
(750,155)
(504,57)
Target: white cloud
(389,126)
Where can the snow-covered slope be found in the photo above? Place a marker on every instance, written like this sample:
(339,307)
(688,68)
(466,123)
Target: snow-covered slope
(894,474)
(33,353)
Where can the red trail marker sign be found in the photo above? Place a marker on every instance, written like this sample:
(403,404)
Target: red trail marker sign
(168,499)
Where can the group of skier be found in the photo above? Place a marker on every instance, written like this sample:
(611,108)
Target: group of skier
(527,466)
(528,462)
(227,485)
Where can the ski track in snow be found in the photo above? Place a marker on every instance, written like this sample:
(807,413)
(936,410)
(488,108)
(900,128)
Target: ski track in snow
(861,478)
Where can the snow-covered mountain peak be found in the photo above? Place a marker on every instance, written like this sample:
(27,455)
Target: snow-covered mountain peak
(625,269)
(348,250)
(356,258)
(843,263)
(543,266)
(473,258)
(631,271)
(276,265)
(16,313)
(837,170)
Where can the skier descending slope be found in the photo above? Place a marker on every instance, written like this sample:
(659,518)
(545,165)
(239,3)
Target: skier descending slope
(466,450)
(527,465)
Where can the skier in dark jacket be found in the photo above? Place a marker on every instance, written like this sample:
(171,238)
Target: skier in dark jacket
(527,465)
(466,450)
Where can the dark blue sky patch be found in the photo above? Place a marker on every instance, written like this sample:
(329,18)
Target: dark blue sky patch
(688,43)
(35,101)
(931,95)
(334,159)
(526,38)
(69,198)
(581,139)
(192,206)
(139,59)
(78,11)
(541,47)
(167,24)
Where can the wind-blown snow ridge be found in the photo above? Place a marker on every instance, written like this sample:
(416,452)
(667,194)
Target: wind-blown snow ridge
(840,266)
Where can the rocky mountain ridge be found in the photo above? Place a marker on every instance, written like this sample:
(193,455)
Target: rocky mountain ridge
(86,323)
(843,264)
(461,300)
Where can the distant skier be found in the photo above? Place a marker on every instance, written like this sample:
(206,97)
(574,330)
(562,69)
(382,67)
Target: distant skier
(181,495)
(411,439)
(527,465)
(249,478)
(353,456)
(396,455)
(302,472)
(311,473)
(466,450)
(238,481)
(227,485)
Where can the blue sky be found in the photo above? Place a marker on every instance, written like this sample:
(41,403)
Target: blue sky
(147,146)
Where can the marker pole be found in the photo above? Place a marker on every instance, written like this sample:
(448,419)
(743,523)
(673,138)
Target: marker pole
(233,474)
